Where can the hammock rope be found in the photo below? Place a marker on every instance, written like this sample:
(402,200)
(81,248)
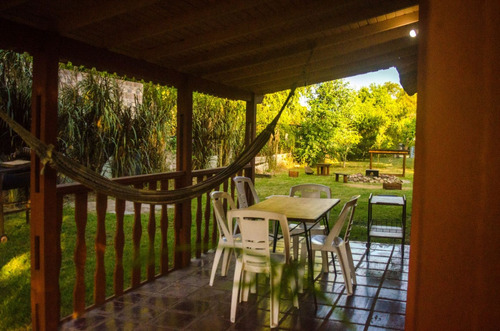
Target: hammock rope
(87,177)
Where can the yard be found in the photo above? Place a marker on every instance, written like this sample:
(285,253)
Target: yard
(15,254)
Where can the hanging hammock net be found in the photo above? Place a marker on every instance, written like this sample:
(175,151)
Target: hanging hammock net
(87,177)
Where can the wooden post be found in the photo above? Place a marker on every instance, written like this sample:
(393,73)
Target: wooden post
(45,226)
(182,221)
(250,133)
(404,164)
(454,271)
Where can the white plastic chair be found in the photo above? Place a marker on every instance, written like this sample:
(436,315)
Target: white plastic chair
(308,191)
(240,182)
(228,239)
(256,257)
(333,243)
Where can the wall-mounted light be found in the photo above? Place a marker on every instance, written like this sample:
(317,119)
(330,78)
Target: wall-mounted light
(413,33)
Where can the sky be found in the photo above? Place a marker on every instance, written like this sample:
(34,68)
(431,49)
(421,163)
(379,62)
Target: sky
(377,77)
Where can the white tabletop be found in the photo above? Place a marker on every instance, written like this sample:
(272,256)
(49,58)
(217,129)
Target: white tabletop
(298,209)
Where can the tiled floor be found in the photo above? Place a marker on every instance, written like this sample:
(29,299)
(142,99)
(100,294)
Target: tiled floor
(183,300)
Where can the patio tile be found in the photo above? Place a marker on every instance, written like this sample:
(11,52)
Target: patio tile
(392,294)
(183,300)
(173,319)
(392,321)
(365,291)
(395,284)
(341,326)
(192,306)
(300,322)
(355,302)
(117,324)
(210,322)
(350,315)
(161,301)
(390,306)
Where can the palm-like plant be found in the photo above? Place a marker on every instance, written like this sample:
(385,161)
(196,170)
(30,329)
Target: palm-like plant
(16,75)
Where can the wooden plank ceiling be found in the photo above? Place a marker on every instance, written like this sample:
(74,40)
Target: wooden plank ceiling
(230,48)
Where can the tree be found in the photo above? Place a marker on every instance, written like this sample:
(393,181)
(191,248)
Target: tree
(330,104)
(346,137)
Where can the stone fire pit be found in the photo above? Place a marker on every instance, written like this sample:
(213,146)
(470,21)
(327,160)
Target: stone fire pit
(360,178)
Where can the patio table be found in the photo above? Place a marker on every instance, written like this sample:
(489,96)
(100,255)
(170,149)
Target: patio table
(305,210)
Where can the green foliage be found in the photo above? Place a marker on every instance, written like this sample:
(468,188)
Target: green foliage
(343,123)
(385,118)
(15,96)
(326,131)
(218,129)
(97,128)
(283,139)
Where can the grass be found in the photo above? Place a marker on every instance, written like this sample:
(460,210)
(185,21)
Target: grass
(15,255)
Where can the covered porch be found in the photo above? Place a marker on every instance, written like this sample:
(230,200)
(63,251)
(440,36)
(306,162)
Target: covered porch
(242,50)
(183,300)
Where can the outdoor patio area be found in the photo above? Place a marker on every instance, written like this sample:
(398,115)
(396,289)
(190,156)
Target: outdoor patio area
(183,300)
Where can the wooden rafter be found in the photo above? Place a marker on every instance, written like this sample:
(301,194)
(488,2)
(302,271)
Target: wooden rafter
(210,66)
(294,31)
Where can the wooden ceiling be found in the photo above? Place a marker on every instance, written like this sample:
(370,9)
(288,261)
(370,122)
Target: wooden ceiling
(230,48)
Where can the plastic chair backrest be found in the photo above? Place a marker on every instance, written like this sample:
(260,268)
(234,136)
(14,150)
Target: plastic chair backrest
(347,212)
(241,189)
(311,191)
(348,229)
(254,228)
(225,227)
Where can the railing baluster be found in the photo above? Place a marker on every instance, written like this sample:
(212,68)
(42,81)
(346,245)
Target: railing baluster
(164,232)
(100,249)
(204,239)
(119,245)
(206,235)
(214,226)
(80,254)
(226,186)
(151,234)
(136,242)
(198,246)
(233,186)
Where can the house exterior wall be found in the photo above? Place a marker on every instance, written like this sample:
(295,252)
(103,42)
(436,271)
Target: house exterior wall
(454,280)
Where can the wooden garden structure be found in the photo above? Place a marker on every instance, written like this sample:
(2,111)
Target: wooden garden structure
(389,151)
(242,50)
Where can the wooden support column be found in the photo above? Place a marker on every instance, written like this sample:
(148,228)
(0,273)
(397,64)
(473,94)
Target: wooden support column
(250,132)
(182,222)
(454,271)
(45,226)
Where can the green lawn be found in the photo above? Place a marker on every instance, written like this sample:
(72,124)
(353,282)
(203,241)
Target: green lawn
(15,255)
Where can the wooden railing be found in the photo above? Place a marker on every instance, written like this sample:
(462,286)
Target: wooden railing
(203,219)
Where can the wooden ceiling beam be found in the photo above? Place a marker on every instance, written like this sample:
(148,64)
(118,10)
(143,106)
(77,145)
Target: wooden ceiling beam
(307,59)
(368,35)
(27,39)
(86,14)
(212,10)
(332,74)
(274,41)
(252,27)
(7,4)
(382,52)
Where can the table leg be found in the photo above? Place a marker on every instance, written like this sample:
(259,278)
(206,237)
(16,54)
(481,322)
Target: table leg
(310,262)
(276,231)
